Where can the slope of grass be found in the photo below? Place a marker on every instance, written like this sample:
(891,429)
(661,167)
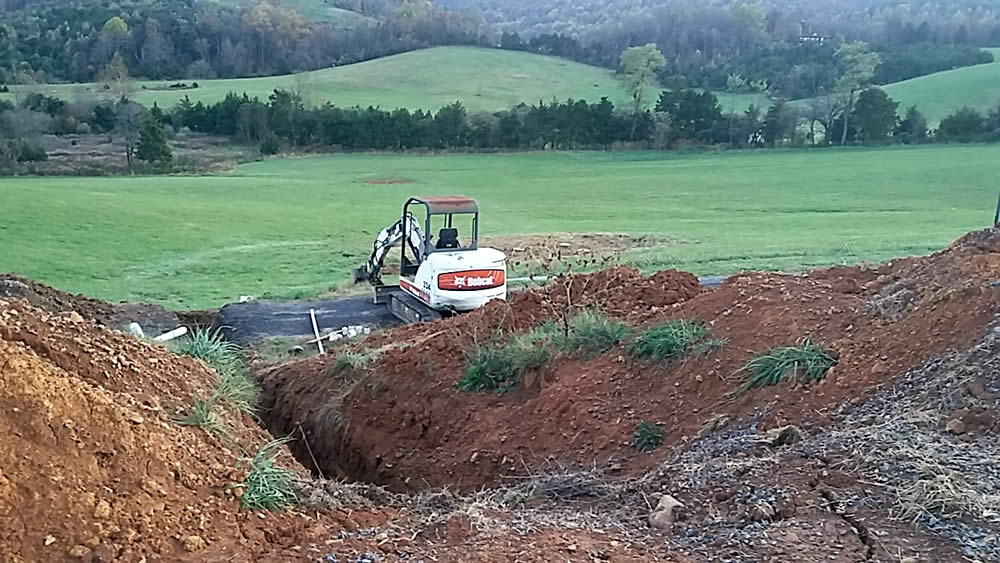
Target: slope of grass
(319,11)
(299,225)
(483,79)
(941,93)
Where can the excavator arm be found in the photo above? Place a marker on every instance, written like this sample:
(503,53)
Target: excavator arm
(407,227)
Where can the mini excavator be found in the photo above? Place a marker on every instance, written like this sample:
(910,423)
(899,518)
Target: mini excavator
(436,278)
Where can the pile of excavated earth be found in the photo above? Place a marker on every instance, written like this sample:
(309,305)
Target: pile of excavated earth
(890,455)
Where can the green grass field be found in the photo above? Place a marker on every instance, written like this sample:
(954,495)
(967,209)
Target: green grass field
(296,227)
(940,94)
(482,79)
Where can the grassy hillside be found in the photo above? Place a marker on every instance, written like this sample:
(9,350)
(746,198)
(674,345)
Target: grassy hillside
(939,94)
(320,11)
(482,79)
(297,226)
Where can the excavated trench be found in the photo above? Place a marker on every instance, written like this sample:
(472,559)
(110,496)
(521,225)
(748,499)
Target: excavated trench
(312,411)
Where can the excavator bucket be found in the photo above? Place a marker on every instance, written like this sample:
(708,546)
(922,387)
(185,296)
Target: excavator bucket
(360,274)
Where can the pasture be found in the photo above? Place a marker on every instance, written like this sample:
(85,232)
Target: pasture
(295,227)
(939,94)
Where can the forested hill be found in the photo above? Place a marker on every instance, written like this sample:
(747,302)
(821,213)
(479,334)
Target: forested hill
(870,20)
(73,41)
(786,45)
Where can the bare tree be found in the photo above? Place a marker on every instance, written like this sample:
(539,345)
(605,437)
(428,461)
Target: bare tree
(116,80)
(130,119)
(23,129)
(302,87)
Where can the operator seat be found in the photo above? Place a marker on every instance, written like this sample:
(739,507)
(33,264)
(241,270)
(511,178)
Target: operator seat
(447,239)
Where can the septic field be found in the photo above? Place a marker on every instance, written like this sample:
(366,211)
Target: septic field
(294,227)
(846,414)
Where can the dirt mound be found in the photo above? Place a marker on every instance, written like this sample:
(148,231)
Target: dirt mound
(403,423)
(93,464)
(152,318)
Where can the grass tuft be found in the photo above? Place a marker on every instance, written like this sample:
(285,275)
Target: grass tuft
(592,334)
(805,362)
(202,414)
(498,366)
(238,389)
(350,361)
(647,437)
(268,486)
(213,349)
(673,339)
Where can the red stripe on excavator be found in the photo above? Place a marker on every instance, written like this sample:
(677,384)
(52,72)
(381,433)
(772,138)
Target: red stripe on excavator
(415,291)
(471,280)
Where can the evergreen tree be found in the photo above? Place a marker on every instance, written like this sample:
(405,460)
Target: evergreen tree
(153,146)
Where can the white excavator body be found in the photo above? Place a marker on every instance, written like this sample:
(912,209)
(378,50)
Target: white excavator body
(460,281)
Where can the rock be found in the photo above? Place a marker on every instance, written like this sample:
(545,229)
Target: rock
(79,551)
(75,317)
(909,560)
(134,418)
(102,510)
(194,544)
(788,435)
(49,540)
(664,515)
(955,426)
(783,436)
(786,509)
(761,512)
(978,390)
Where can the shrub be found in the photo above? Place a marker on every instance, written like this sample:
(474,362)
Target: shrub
(498,366)
(647,437)
(29,152)
(270,145)
(268,486)
(671,340)
(805,362)
(591,334)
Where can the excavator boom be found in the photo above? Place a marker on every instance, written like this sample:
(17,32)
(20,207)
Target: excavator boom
(371,271)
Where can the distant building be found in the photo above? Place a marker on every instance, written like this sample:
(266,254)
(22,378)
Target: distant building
(814,38)
(808,35)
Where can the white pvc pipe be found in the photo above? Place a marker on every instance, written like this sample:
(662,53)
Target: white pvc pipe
(176,333)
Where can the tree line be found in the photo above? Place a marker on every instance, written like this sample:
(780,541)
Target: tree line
(283,122)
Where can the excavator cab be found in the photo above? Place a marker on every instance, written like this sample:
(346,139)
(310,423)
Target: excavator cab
(439,276)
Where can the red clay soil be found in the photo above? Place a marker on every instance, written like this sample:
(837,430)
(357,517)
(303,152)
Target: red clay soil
(404,424)
(153,318)
(94,467)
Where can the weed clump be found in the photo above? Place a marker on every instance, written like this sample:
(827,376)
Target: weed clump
(672,340)
(350,361)
(590,334)
(211,348)
(268,486)
(647,437)
(497,366)
(805,362)
(202,414)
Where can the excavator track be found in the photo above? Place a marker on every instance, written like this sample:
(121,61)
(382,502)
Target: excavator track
(409,309)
